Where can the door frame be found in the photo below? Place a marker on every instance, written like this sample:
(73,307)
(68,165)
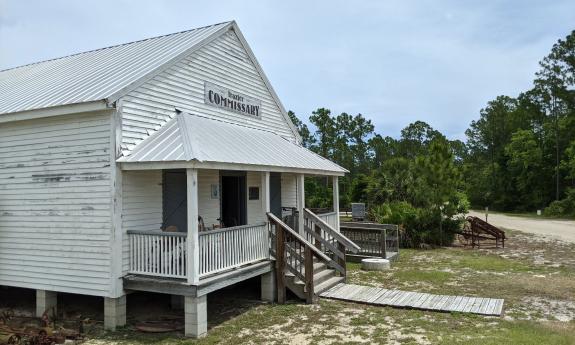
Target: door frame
(244,199)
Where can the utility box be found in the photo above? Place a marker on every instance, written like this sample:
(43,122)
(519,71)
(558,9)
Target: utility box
(358,211)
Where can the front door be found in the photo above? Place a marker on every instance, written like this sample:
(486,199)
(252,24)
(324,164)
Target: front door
(233,198)
(276,194)
(174,200)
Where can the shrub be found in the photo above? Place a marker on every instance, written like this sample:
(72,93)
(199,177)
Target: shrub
(418,225)
(564,207)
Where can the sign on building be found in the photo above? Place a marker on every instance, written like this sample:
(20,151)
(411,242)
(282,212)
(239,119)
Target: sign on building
(221,97)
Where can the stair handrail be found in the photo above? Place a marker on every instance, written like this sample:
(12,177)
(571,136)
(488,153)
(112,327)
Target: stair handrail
(346,242)
(309,252)
(317,252)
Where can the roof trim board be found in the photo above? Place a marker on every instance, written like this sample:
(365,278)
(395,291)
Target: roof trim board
(223,166)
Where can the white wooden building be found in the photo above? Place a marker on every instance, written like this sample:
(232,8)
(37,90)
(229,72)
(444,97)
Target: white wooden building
(162,165)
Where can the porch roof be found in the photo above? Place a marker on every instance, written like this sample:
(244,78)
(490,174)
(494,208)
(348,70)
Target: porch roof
(194,138)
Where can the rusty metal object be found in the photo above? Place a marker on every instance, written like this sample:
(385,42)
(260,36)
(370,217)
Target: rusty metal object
(477,231)
(33,331)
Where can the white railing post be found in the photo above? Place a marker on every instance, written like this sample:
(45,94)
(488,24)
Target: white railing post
(192,247)
(301,202)
(266,207)
(335,181)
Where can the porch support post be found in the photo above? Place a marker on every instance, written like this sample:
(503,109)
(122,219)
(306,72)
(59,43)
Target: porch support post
(269,286)
(114,312)
(192,240)
(196,316)
(266,192)
(300,201)
(335,188)
(45,300)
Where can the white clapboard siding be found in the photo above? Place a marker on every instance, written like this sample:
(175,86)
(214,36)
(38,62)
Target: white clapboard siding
(289,190)
(208,207)
(255,210)
(142,206)
(55,204)
(223,62)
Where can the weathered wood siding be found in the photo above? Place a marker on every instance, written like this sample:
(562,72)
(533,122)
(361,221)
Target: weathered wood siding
(55,203)
(223,62)
(289,190)
(208,208)
(255,209)
(142,205)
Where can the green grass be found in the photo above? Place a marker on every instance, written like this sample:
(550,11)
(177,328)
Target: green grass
(508,273)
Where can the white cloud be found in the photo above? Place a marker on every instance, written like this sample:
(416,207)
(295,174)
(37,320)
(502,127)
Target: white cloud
(393,61)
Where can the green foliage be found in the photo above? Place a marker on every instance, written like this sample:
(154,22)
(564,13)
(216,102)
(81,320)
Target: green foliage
(520,153)
(564,207)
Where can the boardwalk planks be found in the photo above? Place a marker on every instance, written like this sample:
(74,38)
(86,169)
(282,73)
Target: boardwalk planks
(415,300)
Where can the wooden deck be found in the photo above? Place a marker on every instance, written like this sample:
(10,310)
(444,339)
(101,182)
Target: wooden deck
(414,300)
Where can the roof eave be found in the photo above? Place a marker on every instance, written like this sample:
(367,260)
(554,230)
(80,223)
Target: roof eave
(65,109)
(126,165)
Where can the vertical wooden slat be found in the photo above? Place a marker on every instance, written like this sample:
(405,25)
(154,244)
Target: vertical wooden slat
(309,275)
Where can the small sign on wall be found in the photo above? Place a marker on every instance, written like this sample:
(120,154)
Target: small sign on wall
(215,191)
(254,193)
(227,99)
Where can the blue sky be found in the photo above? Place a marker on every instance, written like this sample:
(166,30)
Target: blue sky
(393,61)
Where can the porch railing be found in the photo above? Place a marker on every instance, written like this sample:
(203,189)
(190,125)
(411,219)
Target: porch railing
(377,240)
(163,254)
(227,248)
(328,240)
(330,218)
(157,253)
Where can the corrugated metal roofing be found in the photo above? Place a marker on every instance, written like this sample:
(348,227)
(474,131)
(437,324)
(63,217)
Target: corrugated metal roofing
(93,75)
(191,137)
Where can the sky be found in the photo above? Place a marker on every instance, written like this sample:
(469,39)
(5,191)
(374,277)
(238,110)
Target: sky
(395,62)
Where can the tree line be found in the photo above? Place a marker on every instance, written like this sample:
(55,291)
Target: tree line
(518,156)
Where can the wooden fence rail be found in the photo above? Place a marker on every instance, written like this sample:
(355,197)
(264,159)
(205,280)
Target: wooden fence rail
(377,240)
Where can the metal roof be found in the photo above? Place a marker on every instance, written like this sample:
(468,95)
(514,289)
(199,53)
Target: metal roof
(189,137)
(94,75)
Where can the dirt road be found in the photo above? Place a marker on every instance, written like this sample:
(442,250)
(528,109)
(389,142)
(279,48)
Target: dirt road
(558,229)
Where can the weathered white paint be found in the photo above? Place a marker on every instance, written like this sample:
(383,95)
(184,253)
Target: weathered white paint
(157,253)
(224,249)
(223,61)
(254,207)
(300,201)
(208,208)
(142,206)
(335,188)
(289,190)
(331,219)
(192,240)
(55,204)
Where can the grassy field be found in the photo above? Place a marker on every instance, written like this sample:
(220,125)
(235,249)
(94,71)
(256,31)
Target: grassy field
(535,276)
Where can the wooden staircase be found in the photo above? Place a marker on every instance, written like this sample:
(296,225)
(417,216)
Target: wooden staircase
(310,263)
(324,278)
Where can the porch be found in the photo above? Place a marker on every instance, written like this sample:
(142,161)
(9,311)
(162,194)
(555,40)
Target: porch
(198,215)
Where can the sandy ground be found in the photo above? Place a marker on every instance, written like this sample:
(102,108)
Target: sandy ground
(557,229)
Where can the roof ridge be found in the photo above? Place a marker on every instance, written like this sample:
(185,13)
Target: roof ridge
(116,45)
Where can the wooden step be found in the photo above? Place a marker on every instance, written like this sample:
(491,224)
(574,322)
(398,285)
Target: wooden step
(322,276)
(319,266)
(334,280)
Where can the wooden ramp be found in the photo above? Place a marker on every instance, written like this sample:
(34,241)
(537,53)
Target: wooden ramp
(415,300)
